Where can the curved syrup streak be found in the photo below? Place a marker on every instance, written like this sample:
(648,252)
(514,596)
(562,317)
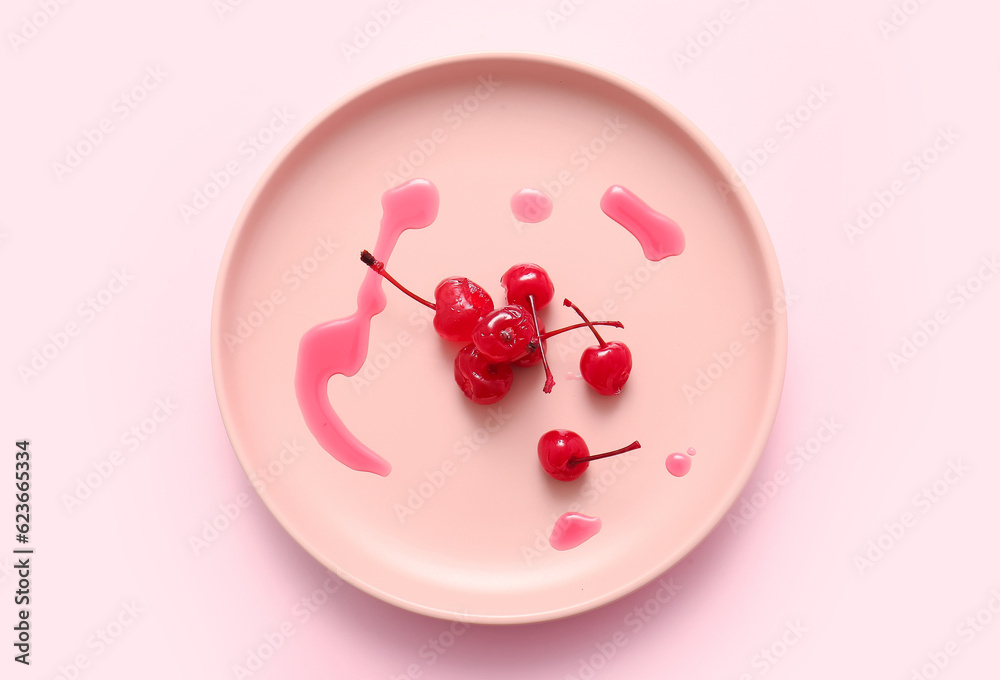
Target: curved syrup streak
(341,346)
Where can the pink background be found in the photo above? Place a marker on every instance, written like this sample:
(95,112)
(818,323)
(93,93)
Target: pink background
(119,591)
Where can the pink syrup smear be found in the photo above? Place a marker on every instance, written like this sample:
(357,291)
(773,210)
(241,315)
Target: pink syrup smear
(341,346)
(572,529)
(659,236)
(531,205)
(678,464)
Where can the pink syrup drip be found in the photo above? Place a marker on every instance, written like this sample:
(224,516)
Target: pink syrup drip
(531,205)
(572,529)
(659,236)
(678,464)
(341,346)
(691,451)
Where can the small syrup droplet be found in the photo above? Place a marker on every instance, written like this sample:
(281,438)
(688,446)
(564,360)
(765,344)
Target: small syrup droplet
(678,464)
(691,451)
(531,205)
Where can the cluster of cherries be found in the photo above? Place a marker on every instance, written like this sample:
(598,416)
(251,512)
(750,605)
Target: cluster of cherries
(498,339)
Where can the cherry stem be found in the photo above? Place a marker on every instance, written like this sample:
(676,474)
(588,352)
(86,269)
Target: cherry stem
(550,381)
(625,449)
(549,334)
(379,267)
(567,303)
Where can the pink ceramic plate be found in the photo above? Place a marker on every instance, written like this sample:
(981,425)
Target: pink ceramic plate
(460,527)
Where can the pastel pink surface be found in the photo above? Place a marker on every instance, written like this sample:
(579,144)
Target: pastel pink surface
(441,535)
(820,125)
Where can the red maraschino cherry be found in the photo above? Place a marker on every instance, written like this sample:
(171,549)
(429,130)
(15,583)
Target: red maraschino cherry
(483,381)
(459,304)
(565,456)
(607,366)
(505,334)
(524,280)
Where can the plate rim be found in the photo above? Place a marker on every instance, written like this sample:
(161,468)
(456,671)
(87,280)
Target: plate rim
(739,191)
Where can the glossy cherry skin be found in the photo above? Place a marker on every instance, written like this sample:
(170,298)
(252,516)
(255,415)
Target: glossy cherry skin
(526,279)
(557,448)
(460,305)
(606,368)
(481,380)
(504,334)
